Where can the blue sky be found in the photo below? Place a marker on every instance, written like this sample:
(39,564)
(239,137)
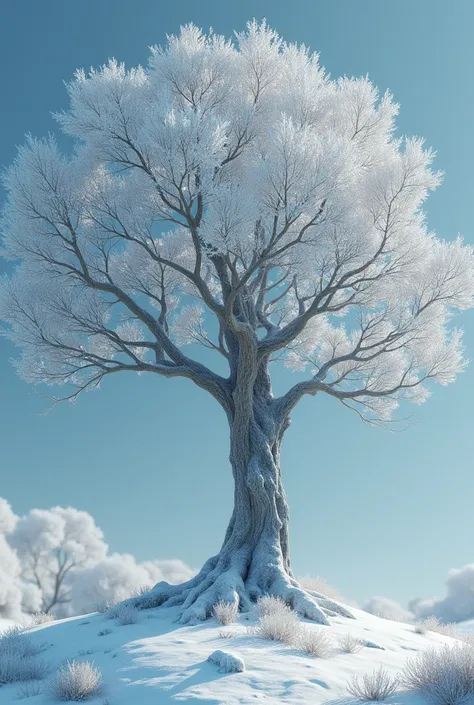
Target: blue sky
(373,512)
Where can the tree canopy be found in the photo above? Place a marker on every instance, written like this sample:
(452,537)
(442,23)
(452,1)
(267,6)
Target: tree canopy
(232,190)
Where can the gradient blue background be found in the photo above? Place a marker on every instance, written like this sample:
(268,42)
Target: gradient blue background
(375,513)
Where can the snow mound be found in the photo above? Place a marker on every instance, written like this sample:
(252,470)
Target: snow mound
(228,663)
(159,662)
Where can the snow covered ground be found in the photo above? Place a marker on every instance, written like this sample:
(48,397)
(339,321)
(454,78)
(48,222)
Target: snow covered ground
(158,662)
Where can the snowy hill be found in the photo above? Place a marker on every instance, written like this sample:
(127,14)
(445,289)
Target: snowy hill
(158,662)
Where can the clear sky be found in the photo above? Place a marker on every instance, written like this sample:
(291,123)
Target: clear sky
(373,512)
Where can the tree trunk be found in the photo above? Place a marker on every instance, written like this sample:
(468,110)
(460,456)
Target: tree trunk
(254,559)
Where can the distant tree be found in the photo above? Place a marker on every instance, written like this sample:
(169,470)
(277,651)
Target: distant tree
(117,576)
(231,195)
(53,546)
(16,596)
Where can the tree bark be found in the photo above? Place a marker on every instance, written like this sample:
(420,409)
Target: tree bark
(254,559)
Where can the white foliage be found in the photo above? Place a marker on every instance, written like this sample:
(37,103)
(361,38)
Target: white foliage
(18,660)
(11,587)
(226,612)
(444,675)
(8,519)
(278,187)
(281,625)
(432,624)
(126,614)
(350,644)
(76,680)
(376,686)
(10,581)
(321,586)
(52,545)
(64,547)
(314,641)
(116,577)
(187,326)
(268,604)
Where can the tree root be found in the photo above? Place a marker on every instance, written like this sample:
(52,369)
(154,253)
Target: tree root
(197,597)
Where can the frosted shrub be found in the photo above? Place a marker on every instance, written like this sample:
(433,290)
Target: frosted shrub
(282,625)
(112,608)
(42,618)
(378,685)
(432,624)
(15,668)
(76,680)
(269,605)
(226,612)
(141,590)
(313,641)
(17,657)
(443,675)
(15,640)
(127,614)
(350,644)
(101,607)
(321,586)
(29,690)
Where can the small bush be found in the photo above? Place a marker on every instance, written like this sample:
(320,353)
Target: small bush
(313,641)
(443,675)
(321,586)
(378,685)
(392,616)
(104,632)
(142,590)
(432,624)
(76,680)
(15,669)
(127,615)
(42,618)
(269,605)
(16,640)
(350,644)
(17,657)
(29,690)
(224,634)
(282,625)
(226,612)
(111,608)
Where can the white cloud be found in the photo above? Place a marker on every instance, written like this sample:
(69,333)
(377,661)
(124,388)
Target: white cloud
(387,608)
(457,605)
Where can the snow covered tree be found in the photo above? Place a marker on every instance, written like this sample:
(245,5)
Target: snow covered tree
(119,575)
(11,587)
(53,546)
(232,195)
